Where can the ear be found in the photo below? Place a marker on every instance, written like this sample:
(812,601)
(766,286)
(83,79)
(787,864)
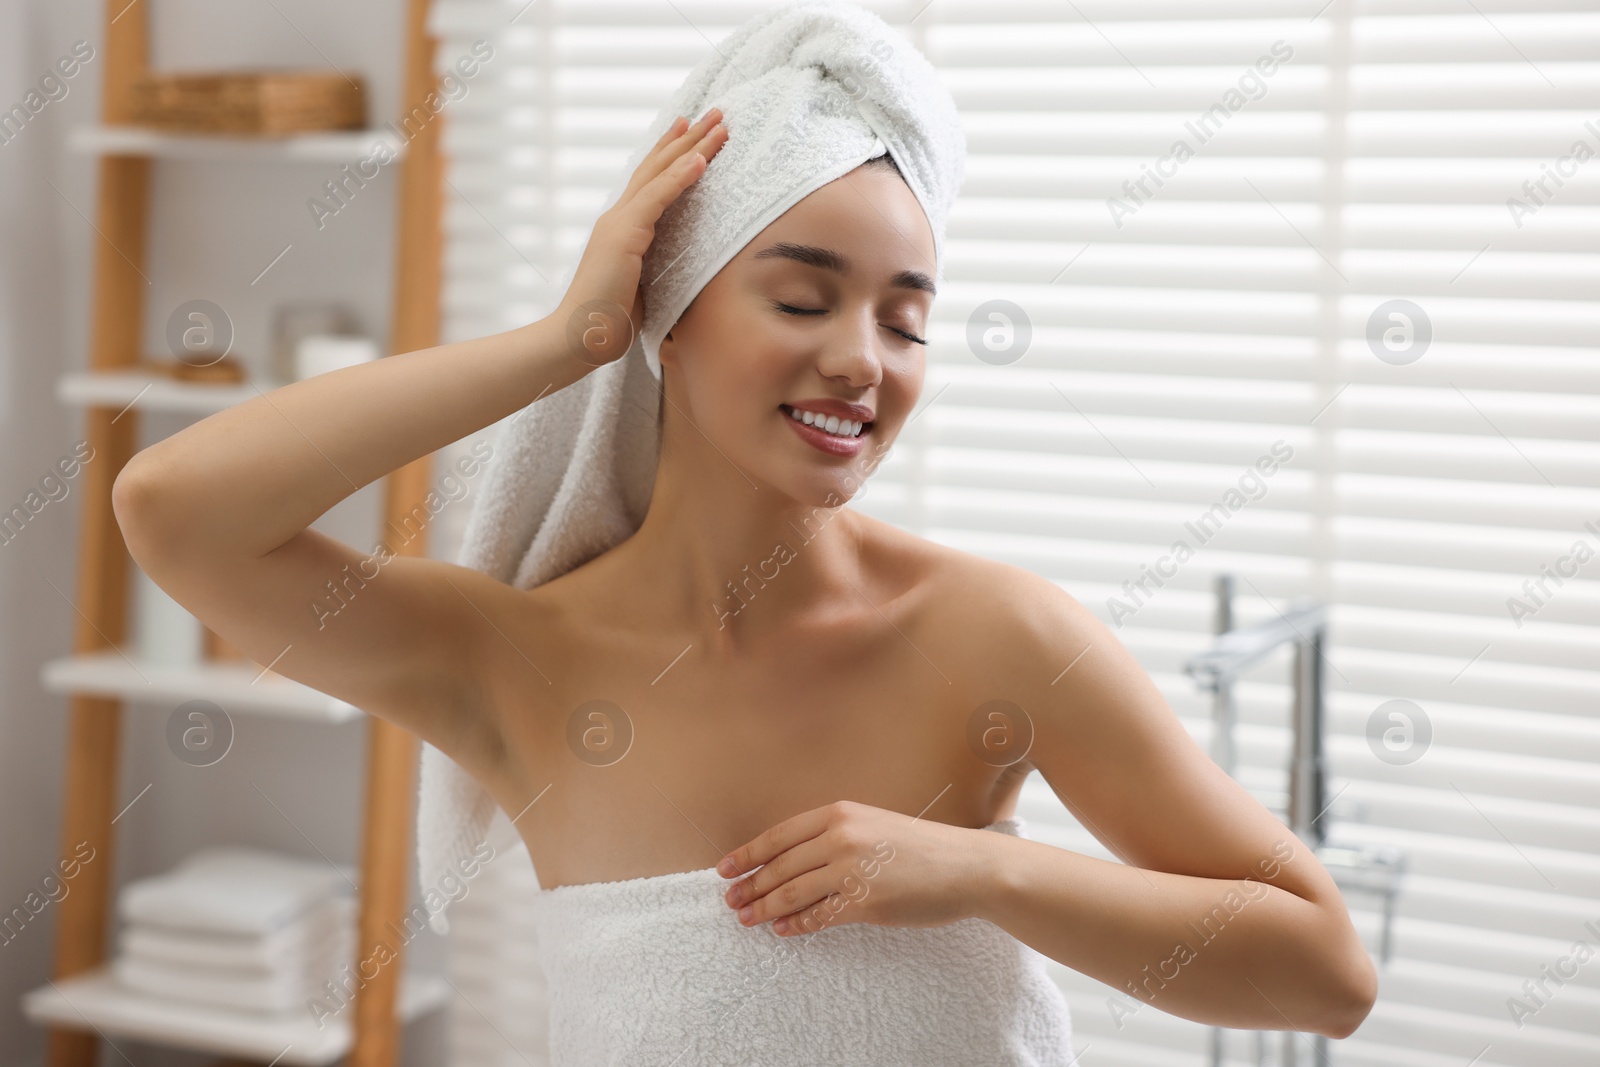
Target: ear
(664,351)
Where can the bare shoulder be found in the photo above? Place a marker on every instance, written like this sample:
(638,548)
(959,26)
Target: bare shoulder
(1016,626)
(1014,605)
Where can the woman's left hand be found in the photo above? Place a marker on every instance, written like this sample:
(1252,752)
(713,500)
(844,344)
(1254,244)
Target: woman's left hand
(846,862)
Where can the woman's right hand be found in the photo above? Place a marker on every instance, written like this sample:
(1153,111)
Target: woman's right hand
(603,309)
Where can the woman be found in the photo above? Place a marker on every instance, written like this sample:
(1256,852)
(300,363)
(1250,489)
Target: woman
(872,710)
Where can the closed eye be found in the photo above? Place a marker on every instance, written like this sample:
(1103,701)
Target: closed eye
(789,309)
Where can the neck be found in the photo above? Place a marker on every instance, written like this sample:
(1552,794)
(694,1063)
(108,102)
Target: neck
(737,562)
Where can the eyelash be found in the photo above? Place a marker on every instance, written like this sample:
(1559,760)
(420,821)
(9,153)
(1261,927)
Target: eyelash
(791,310)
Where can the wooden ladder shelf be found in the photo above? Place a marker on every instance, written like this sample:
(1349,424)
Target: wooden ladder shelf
(369,1032)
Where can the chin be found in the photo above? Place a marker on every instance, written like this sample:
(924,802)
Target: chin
(807,476)
(824,489)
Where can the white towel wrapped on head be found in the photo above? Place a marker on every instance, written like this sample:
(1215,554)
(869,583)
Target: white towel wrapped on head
(808,92)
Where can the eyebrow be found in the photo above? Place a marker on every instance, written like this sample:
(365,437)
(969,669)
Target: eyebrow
(828,259)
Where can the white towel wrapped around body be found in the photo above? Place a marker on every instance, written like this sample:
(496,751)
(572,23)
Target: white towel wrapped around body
(658,971)
(808,91)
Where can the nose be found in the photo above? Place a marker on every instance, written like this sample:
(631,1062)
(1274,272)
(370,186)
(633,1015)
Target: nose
(852,355)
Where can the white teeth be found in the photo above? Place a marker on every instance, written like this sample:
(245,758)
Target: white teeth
(828,424)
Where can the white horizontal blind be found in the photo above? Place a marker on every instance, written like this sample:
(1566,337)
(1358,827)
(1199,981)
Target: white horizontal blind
(1190,310)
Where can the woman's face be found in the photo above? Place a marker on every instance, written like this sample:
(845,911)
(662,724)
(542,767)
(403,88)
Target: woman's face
(816,308)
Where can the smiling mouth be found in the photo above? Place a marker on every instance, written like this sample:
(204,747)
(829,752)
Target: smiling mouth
(819,423)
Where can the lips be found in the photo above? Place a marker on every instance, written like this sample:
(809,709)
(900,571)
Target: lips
(827,405)
(841,415)
(822,440)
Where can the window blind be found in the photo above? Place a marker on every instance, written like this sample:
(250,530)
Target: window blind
(1357,238)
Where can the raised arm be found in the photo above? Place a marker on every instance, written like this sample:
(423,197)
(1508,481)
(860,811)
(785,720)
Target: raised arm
(218,516)
(218,513)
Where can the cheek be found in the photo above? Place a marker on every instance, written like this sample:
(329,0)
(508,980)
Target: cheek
(757,361)
(736,376)
(903,379)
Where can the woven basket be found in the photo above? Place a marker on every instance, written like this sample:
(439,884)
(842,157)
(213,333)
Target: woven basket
(266,102)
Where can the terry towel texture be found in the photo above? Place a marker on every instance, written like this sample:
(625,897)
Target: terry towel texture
(237,927)
(657,971)
(289,949)
(808,91)
(234,890)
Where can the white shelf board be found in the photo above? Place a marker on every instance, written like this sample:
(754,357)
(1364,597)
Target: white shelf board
(154,392)
(235,687)
(97,999)
(339,146)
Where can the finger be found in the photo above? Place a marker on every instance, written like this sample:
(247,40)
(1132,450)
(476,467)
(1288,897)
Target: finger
(677,140)
(652,200)
(705,146)
(648,167)
(712,140)
(690,136)
(808,903)
(775,839)
(844,902)
(673,130)
(784,867)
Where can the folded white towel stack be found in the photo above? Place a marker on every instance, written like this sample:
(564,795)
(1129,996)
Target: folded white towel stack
(240,928)
(808,92)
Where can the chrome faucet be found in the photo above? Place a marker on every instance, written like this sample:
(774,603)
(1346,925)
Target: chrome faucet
(1215,670)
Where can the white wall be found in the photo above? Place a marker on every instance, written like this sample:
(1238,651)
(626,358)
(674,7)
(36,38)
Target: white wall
(214,228)
(34,619)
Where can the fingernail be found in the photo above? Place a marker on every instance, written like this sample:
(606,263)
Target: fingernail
(725,868)
(745,912)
